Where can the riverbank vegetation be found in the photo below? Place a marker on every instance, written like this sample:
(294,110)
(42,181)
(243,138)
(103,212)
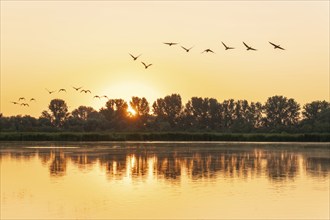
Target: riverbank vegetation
(161,136)
(279,118)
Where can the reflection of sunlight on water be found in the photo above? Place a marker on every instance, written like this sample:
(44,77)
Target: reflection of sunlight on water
(130,163)
(151,168)
(114,167)
(301,166)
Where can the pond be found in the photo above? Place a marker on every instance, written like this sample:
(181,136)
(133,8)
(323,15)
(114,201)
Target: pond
(164,180)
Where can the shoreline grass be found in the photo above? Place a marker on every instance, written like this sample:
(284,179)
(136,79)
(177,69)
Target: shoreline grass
(163,136)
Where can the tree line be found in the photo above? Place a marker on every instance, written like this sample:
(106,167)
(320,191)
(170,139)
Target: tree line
(277,114)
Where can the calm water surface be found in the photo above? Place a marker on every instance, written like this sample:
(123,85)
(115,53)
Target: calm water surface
(164,180)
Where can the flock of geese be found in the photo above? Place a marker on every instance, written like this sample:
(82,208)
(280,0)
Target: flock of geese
(208,50)
(23,102)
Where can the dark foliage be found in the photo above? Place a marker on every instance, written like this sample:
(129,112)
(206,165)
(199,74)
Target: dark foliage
(278,115)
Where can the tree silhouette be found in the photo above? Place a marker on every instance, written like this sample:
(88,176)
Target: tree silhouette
(198,114)
(82,112)
(168,109)
(281,112)
(59,111)
(45,121)
(115,113)
(255,114)
(214,113)
(228,111)
(241,117)
(316,116)
(202,113)
(312,110)
(141,108)
(247,117)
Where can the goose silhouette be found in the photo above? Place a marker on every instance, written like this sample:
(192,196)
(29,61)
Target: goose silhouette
(208,51)
(170,44)
(134,57)
(276,46)
(76,88)
(145,65)
(226,47)
(187,50)
(50,92)
(248,47)
(85,91)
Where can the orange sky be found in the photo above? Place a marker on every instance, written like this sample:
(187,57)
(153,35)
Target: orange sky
(58,44)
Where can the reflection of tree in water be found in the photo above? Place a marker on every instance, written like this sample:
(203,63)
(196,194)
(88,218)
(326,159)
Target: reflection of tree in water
(19,155)
(83,160)
(282,165)
(317,166)
(278,165)
(137,164)
(114,164)
(173,165)
(168,167)
(45,157)
(192,163)
(57,166)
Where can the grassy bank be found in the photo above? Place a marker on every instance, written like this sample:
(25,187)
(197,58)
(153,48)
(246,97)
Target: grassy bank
(161,136)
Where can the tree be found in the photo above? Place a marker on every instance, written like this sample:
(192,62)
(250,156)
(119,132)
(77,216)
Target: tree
(214,113)
(59,112)
(228,111)
(115,113)
(142,109)
(247,117)
(45,121)
(45,114)
(241,121)
(29,123)
(202,113)
(16,121)
(255,115)
(82,112)
(312,110)
(168,109)
(316,117)
(195,112)
(95,122)
(281,113)
(4,123)
(74,124)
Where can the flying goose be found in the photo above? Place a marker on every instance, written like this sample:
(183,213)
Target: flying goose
(226,47)
(248,47)
(134,57)
(85,91)
(76,88)
(145,65)
(50,92)
(187,50)
(208,51)
(276,46)
(170,44)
